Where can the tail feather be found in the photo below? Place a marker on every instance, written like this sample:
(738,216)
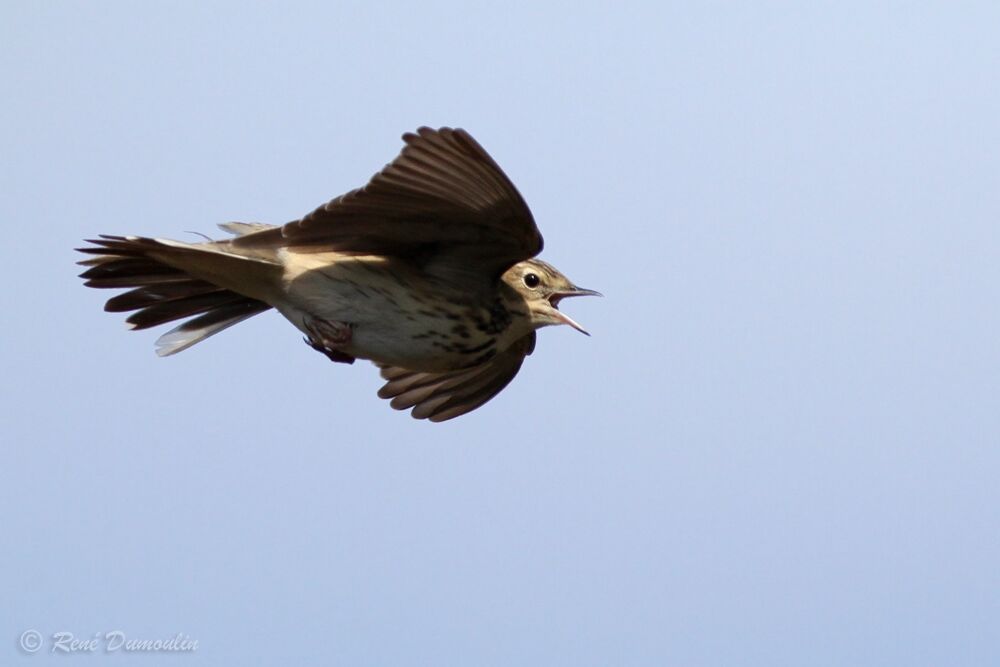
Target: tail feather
(144,296)
(199,328)
(178,309)
(162,293)
(109,271)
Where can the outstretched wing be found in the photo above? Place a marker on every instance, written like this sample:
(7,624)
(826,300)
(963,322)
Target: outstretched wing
(443,203)
(443,396)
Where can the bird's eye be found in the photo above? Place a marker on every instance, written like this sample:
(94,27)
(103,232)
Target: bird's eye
(531,280)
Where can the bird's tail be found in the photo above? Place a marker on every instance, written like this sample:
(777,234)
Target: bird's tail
(171,281)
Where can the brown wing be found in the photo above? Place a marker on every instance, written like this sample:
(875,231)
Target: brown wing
(442,203)
(443,396)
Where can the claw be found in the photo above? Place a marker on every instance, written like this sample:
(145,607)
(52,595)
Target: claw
(326,336)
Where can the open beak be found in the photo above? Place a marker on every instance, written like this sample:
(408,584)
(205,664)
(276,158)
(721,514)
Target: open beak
(556,297)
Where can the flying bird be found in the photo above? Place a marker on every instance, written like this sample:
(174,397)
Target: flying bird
(429,271)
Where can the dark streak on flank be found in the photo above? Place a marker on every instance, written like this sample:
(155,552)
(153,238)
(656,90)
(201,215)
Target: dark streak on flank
(479,348)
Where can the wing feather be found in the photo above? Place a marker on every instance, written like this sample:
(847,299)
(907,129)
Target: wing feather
(443,203)
(442,396)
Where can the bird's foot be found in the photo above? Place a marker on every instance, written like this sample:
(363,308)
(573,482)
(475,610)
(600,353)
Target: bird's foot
(326,336)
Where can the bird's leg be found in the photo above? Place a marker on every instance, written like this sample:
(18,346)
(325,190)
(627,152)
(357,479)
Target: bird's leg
(325,336)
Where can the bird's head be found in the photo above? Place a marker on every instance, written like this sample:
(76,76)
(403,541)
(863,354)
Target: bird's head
(542,287)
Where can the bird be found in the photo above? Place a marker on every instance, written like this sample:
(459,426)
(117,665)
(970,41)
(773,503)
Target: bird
(430,271)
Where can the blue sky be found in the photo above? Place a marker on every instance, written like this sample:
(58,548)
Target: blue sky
(780,446)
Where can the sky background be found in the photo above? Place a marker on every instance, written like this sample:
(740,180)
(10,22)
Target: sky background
(781,445)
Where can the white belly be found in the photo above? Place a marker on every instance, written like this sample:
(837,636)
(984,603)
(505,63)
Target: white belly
(387,325)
